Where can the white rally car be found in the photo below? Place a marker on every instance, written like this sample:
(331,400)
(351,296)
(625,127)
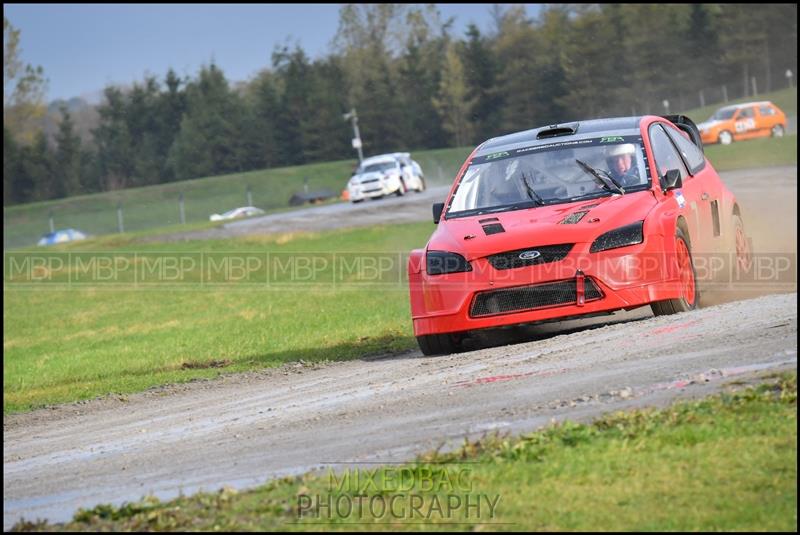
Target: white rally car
(385,174)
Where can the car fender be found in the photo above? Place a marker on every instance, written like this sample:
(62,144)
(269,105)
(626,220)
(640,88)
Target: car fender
(415,261)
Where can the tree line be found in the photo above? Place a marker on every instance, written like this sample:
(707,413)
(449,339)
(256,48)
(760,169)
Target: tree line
(414,84)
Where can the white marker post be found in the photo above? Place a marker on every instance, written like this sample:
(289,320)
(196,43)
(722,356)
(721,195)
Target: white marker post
(119,218)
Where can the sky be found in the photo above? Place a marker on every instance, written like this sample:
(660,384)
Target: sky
(85,47)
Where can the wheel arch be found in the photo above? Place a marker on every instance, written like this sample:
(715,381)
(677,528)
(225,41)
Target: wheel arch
(680,222)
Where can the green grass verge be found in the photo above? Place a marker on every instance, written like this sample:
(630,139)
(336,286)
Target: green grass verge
(785,99)
(762,152)
(157,206)
(727,462)
(66,343)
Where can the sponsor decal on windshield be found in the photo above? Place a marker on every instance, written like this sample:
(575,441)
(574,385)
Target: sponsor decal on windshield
(502,155)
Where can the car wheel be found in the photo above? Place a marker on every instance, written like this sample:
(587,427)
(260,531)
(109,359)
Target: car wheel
(725,137)
(421,184)
(354,201)
(438,344)
(402,189)
(688,281)
(741,251)
(777,130)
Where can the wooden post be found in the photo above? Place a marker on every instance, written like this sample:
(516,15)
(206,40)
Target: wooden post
(52,225)
(249,196)
(183,213)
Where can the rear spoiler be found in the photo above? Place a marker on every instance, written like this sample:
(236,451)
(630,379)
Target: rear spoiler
(688,126)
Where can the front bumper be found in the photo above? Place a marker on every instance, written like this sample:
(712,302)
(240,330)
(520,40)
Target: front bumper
(371,190)
(622,278)
(709,137)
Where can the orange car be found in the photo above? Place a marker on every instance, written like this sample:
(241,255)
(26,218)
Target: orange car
(743,121)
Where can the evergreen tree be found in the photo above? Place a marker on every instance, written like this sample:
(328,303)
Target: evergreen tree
(454,102)
(480,68)
(10,166)
(115,158)
(68,157)
(209,141)
(37,179)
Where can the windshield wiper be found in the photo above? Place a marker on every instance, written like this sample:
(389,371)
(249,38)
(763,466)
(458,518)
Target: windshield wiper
(535,197)
(604,179)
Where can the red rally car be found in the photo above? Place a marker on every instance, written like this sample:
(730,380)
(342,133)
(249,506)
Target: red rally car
(573,220)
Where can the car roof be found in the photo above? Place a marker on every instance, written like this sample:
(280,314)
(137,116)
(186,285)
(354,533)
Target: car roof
(379,159)
(583,129)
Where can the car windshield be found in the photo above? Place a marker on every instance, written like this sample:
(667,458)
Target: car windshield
(551,174)
(723,114)
(378,167)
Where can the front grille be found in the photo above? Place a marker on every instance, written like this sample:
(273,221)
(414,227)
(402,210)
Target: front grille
(370,180)
(531,297)
(547,253)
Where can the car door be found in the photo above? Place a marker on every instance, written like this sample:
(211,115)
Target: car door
(768,118)
(745,123)
(692,206)
(408,174)
(711,203)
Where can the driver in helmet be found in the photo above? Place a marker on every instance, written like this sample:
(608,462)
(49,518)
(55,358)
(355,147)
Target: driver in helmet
(622,165)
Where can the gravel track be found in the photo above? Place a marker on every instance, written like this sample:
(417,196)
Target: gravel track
(244,429)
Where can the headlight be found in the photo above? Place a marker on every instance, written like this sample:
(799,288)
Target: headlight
(619,237)
(441,262)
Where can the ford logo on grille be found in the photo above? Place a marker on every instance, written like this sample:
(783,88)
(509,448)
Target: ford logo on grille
(529,255)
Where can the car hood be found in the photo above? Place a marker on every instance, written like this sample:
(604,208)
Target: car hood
(542,225)
(369,176)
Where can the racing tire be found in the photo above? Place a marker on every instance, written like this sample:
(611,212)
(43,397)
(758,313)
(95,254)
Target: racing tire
(725,138)
(688,281)
(402,189)
(742,252)
(357,201)
(422,185)
(438,344)
(778,130)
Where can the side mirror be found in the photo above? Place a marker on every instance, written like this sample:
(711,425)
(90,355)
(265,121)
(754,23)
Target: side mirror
(438,208)
(672,180)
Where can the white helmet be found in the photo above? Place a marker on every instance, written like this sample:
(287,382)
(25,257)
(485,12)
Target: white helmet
(620,149)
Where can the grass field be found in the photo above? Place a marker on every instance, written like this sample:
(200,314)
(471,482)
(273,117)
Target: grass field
(67,343)
(62,345)
(157,206)
(724,463)
(763,152)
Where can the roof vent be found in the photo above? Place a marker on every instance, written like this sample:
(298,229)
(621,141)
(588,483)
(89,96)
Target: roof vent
(557,130)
